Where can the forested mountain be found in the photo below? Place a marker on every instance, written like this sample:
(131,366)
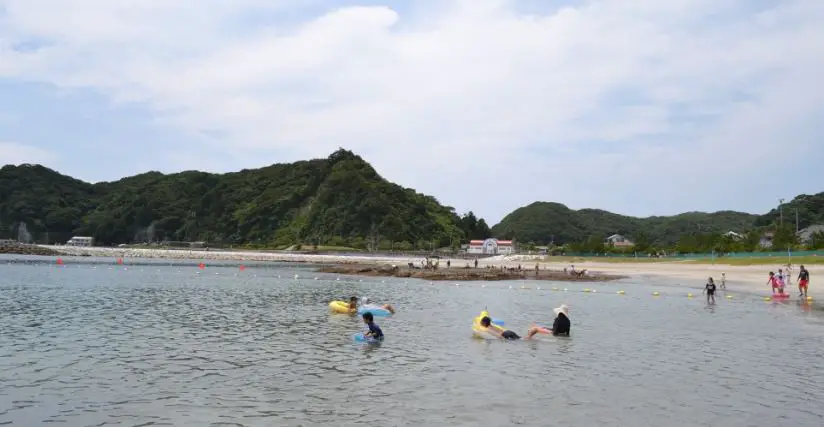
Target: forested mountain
(810,210)
(544,222)
(339,200)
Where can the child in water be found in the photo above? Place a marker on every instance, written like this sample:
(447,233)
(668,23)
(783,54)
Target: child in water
(709,289)
(773,281)
(353,304)
(374,331)
(780,277)
(486,322)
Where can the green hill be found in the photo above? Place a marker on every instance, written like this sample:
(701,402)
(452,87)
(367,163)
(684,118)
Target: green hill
(544,222)
(340,200)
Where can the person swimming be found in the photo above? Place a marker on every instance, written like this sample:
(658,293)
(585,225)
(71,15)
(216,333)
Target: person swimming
(353,303)
(560,327)
(709,289)
(365,302)
(486,322)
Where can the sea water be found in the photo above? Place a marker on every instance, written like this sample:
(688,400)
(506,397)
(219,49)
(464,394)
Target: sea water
(102,344)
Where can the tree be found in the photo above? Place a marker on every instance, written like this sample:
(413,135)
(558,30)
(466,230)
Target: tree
(816,241)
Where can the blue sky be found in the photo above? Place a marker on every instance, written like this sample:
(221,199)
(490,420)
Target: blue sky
(640,107)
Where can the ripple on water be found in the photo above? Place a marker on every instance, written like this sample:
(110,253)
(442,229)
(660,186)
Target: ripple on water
(166,346)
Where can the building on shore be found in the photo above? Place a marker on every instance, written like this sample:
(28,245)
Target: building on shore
(619,241)
(491,246)
(80,241)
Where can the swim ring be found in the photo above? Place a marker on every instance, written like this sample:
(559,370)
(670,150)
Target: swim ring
(479,331)
(340,307)
(376,310)
(359,337)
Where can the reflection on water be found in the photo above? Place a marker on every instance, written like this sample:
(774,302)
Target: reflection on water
(174,345)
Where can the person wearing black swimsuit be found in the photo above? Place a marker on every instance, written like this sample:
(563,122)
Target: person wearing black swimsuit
(709,289)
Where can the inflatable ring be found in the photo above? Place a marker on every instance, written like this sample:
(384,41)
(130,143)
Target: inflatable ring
(359,337)
(376,310)
(341,307)
(479,331)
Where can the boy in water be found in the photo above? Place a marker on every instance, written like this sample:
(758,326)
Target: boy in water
(780,278)
(486,322)
(353,304)
(803,281)
(375,331)
(709,289)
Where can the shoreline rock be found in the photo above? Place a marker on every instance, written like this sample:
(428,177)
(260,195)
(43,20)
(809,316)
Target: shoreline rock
(463,274)
(11,247)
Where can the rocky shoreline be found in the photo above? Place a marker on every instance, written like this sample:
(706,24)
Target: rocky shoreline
(11,247)
(464,274)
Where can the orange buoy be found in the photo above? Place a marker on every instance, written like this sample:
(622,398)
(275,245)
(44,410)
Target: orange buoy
(202,266)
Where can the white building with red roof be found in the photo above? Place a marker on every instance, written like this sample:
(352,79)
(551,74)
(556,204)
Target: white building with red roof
(491,246)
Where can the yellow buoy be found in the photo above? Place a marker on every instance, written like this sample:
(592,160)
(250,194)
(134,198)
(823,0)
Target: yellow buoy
(555,289)
(810,299)
(767,299)
(586,289)
(689,295)
(620,292)
(655,294)
(729,296)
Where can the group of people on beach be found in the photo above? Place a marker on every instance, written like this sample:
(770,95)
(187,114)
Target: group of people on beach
(777,281)
(560,326)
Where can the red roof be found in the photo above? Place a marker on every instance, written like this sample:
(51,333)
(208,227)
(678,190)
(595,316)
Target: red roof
(476,242)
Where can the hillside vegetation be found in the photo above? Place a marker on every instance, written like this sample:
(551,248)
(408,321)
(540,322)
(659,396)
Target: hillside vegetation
(340,200)
(585,230)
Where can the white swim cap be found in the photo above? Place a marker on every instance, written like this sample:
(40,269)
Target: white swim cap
(364,300)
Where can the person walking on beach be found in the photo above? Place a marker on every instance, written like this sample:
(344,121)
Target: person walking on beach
(723,280)
(709,289)
(803,281)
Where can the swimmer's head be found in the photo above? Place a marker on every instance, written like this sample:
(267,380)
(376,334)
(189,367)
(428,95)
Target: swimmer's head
(364,300)
(353,299)
(367,317)
(486,321)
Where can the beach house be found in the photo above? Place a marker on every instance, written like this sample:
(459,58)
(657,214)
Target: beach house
(491,246)
(80,241)
(733,235)
(618,241)
(766,240)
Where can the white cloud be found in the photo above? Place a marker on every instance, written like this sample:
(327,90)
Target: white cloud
(14,153)
(587,100)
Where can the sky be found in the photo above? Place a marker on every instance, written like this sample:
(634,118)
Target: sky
(641,107)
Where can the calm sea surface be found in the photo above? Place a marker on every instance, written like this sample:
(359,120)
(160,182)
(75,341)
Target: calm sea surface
(152,344)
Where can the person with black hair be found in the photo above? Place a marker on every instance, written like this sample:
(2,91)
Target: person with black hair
(486,323)
(374,331)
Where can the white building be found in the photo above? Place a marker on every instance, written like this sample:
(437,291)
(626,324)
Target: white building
(491,247)
(80,241)
(619,241)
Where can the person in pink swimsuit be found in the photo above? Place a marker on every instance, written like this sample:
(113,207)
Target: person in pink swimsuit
(773,281)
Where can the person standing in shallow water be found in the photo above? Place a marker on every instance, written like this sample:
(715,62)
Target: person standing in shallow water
(803,281)
(709,289)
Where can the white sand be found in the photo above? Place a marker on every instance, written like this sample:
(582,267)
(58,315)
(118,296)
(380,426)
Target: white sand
(750,279)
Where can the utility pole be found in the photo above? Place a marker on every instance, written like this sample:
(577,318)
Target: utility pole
(781,212)
(796,221)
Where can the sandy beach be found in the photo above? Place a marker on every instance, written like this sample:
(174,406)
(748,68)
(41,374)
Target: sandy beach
(749,279)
